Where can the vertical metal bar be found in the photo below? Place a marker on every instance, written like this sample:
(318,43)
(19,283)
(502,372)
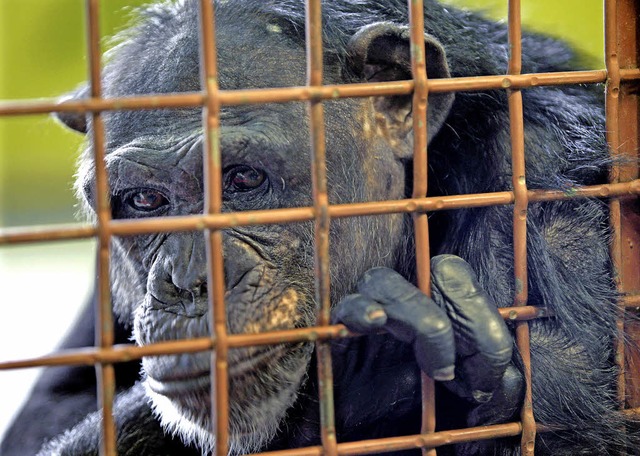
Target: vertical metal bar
(313,12)
(516,121)
(623,136)
(613,140)
(213,205)
(420,220)
(104,325)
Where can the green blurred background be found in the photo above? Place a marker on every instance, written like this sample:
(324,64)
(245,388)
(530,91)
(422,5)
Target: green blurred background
(42,54)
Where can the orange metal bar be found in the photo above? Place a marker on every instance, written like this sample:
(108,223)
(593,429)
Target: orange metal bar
(623,114)
(431,440)
(420,219)
(123,353)
(613,139)
(328,92)
(520,220)
(518,161)
(632,301)
(133,227)
(313,30)
(213,205)
(104,325)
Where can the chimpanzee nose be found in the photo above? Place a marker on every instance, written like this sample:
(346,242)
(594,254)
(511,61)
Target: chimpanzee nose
(186,300)
(178,278)
(193,282)
(193,302)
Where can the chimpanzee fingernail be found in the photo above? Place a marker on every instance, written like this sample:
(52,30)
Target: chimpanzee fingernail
(444,374)
(481,396)
(376,315)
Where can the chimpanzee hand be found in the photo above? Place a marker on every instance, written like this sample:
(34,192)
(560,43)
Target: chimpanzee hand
(458,338)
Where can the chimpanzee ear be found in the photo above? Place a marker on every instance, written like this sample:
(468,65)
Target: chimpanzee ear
(382,52)
(75,120)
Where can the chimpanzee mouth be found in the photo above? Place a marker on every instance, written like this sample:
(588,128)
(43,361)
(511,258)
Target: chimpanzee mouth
(179,386)
(242,363)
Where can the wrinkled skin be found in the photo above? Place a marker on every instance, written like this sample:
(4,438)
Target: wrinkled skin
(160,292)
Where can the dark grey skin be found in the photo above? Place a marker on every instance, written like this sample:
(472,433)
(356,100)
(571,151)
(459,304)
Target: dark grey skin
(154,161)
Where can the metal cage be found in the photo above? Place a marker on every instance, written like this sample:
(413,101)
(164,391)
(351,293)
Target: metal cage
(622,78)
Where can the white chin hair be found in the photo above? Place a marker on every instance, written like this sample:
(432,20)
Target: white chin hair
(175,423)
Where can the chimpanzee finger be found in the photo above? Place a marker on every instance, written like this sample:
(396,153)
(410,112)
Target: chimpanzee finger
(360,314)
(483,342)
(413,318)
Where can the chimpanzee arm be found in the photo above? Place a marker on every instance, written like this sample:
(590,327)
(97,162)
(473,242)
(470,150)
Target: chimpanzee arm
(63,395)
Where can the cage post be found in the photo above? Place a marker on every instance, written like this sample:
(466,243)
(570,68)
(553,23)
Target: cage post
(613,140)
(104,324)
(521,196)
(213,237)
(420,184)
(622,111)
(313,34)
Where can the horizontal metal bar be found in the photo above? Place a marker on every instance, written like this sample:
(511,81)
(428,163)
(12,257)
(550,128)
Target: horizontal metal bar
(431,440)
(303,93)
(632,412)
(86,105)
(631,301)
(303,214)
(524,313)
(123,353)
(120,353)
(629,74)
(617,190)
(45,233)
(115,354)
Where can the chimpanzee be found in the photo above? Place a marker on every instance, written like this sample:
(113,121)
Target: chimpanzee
(159,284)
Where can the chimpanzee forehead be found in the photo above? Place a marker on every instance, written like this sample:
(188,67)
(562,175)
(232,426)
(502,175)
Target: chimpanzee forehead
(258,57)
(161,54)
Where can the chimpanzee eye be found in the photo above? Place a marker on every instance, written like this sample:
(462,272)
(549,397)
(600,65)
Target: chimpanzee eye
(244,179)
(145,199)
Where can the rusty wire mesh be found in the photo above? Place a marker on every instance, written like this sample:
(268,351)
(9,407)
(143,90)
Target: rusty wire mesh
(622,78)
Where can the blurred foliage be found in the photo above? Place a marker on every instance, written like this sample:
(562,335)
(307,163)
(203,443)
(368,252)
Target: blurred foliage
(579,22)
(42,54)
